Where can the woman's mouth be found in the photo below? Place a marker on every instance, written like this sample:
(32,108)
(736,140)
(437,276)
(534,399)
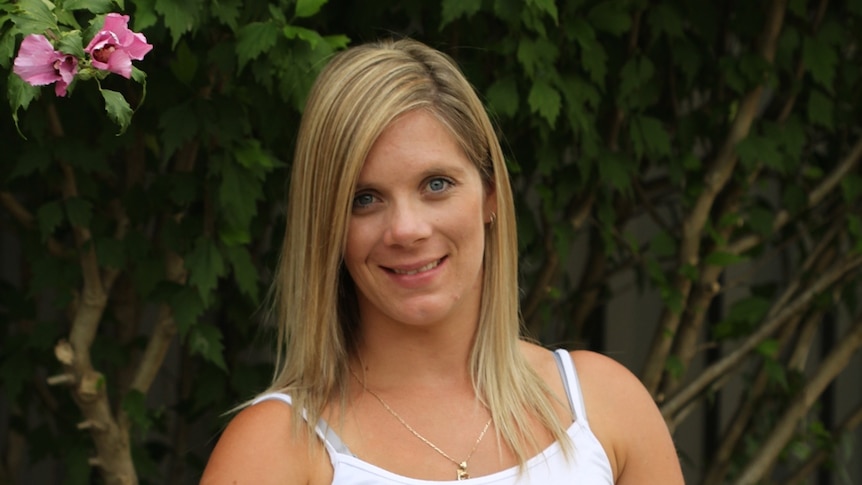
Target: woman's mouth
(427,267)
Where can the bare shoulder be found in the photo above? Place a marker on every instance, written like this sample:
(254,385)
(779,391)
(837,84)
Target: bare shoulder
(627,422)
(259,447)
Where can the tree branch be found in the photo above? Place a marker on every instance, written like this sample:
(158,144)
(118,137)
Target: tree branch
(160,341)
(26,219)
(539,289)
(816,459)
(826,186)
(767,328)
(715,179)
(832,365)
(735,430)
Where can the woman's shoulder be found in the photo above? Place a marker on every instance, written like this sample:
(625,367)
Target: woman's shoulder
(261,446)
(624,417)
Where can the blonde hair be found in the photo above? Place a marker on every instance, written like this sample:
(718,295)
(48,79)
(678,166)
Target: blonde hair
(358,94)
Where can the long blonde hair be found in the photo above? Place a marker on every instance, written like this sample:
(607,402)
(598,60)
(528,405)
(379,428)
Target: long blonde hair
(356,96)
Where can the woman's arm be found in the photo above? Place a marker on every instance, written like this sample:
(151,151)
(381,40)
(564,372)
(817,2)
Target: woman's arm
(259,447)
(626,420)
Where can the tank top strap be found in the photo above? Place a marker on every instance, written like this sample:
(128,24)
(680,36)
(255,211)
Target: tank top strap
(573,386)
(327,434)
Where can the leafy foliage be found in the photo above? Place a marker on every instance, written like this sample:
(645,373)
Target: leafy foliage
(734,142)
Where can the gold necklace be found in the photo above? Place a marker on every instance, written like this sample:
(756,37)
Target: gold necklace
(461,472)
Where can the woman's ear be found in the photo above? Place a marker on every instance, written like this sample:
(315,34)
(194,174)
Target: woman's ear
(490,204)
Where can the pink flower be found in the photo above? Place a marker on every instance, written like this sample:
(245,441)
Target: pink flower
(39,64)
(115,46)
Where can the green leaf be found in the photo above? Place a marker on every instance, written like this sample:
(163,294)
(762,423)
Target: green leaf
(723,259)
(244,271)
(503,96)
(649,137)
(636,72)
(756,149)
(186,307)
(277,14)
(307,8)
(253,39)
(768,348)
(820,109)
(795,199)
(821,60)
(453,9)
(145,15)
(34,17)
(7,48)
(664,19)
(851,188)
(798,7)
(537,55)
(615,170)
(20,95)
(15,368)
(595,61)
(760,220)
(239,192)
(118,109)
(135,407)
(185,64)
(253,157)
(776,371)
(313,38)
(663,245)
(610,17)
(72,43)
(179,17)
(337,42)
(854,228)
(93,6)
(49,216)
(742,317)
(205,340)
(582,99)
(674,366)
(227,12)
(37,159)
(656,274)
(545,100)
(178,124)
(547,6)
(690,271)
(206,265)
(110,252)
(79,211)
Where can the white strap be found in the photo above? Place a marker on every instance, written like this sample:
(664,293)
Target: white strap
(572,384)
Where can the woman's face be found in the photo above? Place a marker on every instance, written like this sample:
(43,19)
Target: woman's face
(415,239)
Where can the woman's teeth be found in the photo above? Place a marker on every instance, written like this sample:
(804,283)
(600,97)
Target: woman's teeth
(427,267)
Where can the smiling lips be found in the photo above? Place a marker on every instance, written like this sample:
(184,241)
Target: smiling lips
(409,272)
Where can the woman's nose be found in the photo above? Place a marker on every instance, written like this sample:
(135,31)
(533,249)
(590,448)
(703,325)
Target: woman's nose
(407,225)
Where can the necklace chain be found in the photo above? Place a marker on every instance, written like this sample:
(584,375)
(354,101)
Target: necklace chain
(462,465)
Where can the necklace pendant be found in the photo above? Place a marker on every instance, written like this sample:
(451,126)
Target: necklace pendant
(462,471)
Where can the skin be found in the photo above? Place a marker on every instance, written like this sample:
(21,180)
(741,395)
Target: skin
(414,250)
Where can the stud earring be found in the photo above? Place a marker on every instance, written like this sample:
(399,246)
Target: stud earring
(493,218)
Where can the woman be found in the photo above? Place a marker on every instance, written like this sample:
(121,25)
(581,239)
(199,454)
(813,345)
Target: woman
(400,358)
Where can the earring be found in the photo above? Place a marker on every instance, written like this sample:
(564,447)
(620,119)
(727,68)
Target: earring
(493,218)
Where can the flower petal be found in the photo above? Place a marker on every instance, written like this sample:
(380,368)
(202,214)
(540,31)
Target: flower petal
(35,61)
(120,63)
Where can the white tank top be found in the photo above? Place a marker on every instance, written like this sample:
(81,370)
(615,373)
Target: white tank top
(588,464)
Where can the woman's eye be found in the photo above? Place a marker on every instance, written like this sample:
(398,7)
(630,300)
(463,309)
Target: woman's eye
(363,200)
(438,184)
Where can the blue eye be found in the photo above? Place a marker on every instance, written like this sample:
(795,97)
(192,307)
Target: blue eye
(438,184)
(363,200)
